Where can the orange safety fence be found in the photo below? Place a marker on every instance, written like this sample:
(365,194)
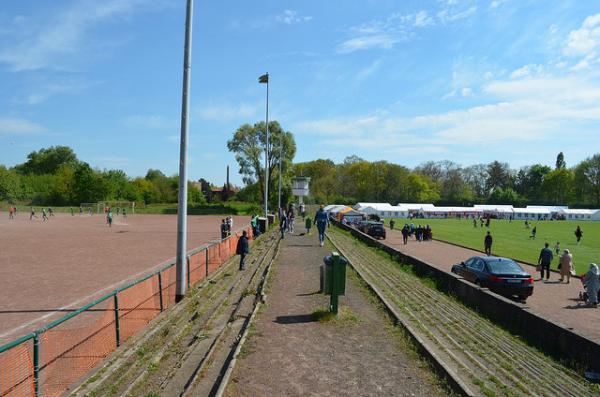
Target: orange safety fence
(16,371)
(58,355)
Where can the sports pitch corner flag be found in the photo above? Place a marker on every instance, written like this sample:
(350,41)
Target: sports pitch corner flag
(264,78)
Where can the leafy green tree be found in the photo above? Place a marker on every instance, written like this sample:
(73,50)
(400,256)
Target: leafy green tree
(420,189)
(47,161)
(504,196)
(592,172)
(498,176)
(248,144)
(560,161)
(558,186)
(10,185)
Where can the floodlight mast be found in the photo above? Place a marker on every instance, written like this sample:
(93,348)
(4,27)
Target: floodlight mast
(182,203)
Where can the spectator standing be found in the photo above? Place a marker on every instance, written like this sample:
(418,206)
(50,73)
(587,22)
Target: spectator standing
(229,225)
(242,249)
(487,244)
(322,221)
(223,229)
(544,261)
(109,217)
(474,222)
(565,265)
(578,234)
(557,248)
(308,224)
(405,231)
(592,284)
(10,212)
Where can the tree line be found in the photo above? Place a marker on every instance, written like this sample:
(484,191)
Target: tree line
(55,176)
(448,183)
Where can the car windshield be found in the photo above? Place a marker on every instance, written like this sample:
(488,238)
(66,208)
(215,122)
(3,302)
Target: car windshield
(504,266)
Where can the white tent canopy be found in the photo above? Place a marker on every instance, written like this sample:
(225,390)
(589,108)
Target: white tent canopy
(580,214)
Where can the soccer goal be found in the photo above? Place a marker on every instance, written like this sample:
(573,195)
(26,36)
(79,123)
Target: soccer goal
(91,208)
(118,207)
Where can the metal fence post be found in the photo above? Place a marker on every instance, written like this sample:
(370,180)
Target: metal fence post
(117,327)
(160,296)
(36,364)
(206,262)
(187,261)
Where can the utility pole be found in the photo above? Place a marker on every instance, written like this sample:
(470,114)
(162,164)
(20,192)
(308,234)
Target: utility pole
(181,262)
(265,79)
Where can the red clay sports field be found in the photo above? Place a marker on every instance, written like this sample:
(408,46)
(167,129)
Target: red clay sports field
(49,268)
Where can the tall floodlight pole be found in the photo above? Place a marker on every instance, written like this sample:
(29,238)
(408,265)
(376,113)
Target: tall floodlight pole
(265,79)
(280,151)
(182,207)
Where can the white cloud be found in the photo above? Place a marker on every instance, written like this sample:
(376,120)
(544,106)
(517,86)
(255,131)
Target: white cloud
(584,43)
(290,17)
(525,113)
(422,19)
(447,15)
(228,112)
(379,41)
(369,70)
(530,70)
(156,122)
(497,3)
(585,39)
(16,126)
(44,45)
(466,92)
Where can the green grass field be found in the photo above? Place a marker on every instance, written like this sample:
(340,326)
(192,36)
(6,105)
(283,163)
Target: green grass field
(512,239)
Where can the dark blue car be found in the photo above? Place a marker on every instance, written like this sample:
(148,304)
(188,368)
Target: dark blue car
(501,275)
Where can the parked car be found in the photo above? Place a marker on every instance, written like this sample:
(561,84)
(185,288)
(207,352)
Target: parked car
(376,230)
(363,226)
(501,275)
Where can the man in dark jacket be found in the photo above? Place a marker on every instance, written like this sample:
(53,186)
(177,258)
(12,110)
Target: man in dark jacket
(487,244)
(242,248)
(223,229)
(322,221)
(545,260)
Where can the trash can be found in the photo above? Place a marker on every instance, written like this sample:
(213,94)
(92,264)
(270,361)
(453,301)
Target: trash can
(262,224)
(328,274)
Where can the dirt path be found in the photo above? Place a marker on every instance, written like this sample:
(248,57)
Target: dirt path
(554,300)
(290,354)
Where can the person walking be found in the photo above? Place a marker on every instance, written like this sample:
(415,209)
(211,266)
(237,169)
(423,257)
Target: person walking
(592,284)
(533,232)
(405,232)
(487,244)
(32,214)
(474,222)
(578,234)
(322,221)
(291,217)
(544,261)
(308,224)
(109,218)
(10,212)
(557,248)
(242,249)
(565,265)
(44,215)
(392,223)
(283,221)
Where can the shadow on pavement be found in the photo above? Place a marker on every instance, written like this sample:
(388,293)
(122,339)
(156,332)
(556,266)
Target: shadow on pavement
(296,319)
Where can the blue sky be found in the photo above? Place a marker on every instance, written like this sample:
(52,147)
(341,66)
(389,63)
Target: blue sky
(403,81)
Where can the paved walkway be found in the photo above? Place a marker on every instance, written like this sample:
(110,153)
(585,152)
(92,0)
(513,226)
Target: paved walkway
(291,354)
(553,300)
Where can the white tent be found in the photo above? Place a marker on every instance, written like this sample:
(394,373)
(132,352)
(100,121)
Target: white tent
(445,212)
(530,213)
(580,214)
(383,210)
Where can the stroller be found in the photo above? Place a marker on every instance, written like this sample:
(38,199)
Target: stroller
(583,295)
